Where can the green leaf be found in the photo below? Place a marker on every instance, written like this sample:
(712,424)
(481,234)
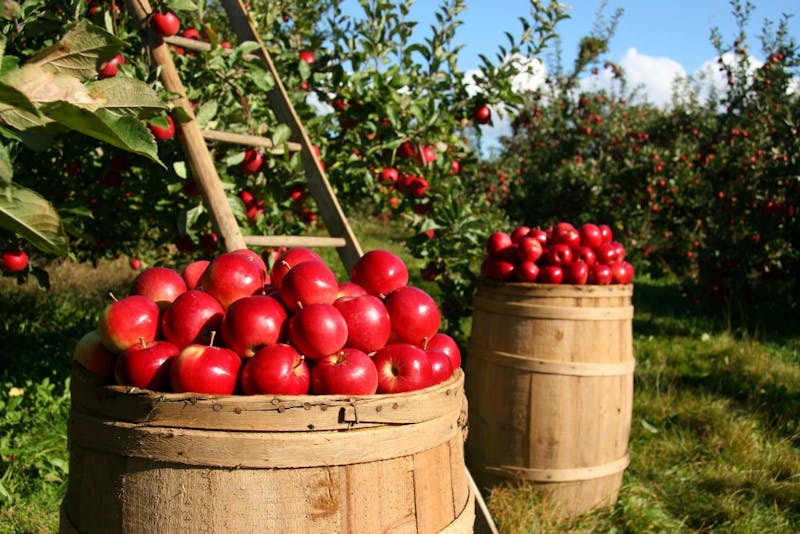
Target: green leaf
(281,135)
(127,133)
(6,169)
(79,52)
(10,10)
(182,5)
(207,112)
(126,96)
(28,214)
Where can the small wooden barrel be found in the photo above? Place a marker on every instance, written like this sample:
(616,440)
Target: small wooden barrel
(550,384)
(150,462)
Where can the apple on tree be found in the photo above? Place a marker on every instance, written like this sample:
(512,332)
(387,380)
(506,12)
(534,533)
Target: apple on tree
(165,23)
(13,260)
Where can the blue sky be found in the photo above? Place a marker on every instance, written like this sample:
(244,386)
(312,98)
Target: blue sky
(675,29)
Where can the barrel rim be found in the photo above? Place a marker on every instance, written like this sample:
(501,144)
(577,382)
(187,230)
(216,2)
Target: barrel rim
(289,413)
(588,290)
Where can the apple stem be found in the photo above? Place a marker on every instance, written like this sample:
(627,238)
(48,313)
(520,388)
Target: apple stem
(211,341)
(425,343)
(299,305)
(142,342)
(113,296)
(286,264)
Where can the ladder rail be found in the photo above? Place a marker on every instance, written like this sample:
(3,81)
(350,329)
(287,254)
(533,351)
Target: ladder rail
(318,184)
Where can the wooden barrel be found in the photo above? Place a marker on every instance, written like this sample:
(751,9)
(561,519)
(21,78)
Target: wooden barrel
(550,386)
(150,462)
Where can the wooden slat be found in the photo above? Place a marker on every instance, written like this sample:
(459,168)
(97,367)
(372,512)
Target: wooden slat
(194,145)
(318,185)
(294,241)
(248,140)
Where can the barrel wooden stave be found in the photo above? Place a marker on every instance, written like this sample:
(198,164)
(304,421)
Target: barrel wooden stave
(550,385)
(137,477)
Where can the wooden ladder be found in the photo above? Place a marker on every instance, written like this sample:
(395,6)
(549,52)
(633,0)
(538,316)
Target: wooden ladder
(194,141)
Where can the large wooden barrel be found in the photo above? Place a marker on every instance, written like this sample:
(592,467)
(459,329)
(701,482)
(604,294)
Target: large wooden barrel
(550,385)
(160,463)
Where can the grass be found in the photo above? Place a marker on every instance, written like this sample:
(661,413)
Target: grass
(714,441)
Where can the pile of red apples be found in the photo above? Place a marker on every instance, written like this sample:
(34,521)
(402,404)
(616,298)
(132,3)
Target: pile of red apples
(561,254)
(231,325)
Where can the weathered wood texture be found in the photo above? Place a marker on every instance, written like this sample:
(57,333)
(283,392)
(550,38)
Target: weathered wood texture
(149,462)
(550,384)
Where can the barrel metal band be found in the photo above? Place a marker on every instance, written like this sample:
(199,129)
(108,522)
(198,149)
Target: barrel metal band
(567,313)
(573,474)
(537,365)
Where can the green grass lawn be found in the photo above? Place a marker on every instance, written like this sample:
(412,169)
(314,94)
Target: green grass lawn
(714,441)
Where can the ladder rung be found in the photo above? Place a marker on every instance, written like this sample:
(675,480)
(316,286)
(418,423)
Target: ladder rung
(246,139)
(189,44)
(294,241)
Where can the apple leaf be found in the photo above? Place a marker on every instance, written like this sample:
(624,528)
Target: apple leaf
(125,96)
(127,133)
(182,5)
(10,10)
(6,169)
(79,52)
(207,112)
(28,214)
(281,135)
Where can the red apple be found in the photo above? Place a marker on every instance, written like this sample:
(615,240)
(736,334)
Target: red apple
(590,235)
(350,289)
(307,56)
(163,133)
(551,274)
(380,272)
(577,273)
(444,343)
(622,272)
(252,161)
(606,233)
(388,175)
(497,269)
(600,274)
(14,260)
(620,248)
(441,368)
(607,253)
(540,235)
(558,254)
(528,249)
(289,259)
(231,276)
(276,370)
(193,272)
(526,271)
(125,321)
(191,318)
(586,255)
(205,369)
(368,323)
(414,315)
(93,356)
(317,330)
(402,367)
(309,282)
(348,372)
(165,23)
(146,365)
(565,233)
(482,114)
(256,258)
(253,322)
(497,242)
(162,285)
(519,232)
(110,68)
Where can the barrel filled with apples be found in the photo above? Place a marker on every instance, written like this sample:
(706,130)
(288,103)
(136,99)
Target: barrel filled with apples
(549,364)
(244,395)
